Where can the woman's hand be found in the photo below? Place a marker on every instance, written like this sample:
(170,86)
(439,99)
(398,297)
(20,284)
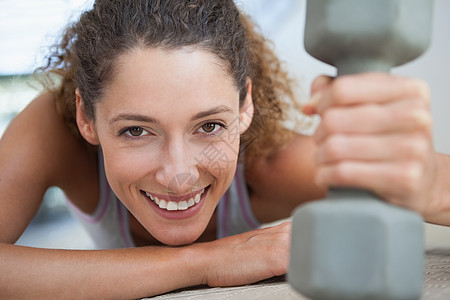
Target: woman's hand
(376,134)
(248,257)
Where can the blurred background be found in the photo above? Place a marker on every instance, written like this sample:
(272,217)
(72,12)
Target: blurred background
(28,28)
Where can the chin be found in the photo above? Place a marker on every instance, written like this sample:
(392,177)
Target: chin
(179,236)
(178,240)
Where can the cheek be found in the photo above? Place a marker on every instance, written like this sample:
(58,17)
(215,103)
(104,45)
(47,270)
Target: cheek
(219,159)
(126,167)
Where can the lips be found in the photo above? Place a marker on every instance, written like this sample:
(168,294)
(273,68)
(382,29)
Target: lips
(171,207)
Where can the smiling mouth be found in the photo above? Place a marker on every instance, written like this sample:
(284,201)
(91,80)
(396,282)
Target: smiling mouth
(170,205)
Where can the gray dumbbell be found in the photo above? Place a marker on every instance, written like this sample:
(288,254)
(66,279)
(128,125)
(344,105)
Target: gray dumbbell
(352,245)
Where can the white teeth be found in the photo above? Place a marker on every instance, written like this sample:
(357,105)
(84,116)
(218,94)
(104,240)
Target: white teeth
(150,196)
(172,205)
(162,204)
(182,205)
(197,197)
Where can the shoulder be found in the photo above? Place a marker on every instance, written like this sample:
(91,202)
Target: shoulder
(287,175)
(37,151)
(33,134)
(39,140)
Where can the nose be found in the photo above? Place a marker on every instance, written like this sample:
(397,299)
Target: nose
(178,170)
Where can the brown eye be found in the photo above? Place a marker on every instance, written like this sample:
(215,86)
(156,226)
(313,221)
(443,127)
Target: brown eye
(209,127)
(135,131)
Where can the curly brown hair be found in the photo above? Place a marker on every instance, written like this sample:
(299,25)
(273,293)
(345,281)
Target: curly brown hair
(85,56)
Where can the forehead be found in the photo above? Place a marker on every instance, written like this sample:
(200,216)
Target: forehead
(158,64)
(162,78)
(178,62)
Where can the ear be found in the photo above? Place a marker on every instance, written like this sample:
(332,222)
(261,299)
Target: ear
(86,126)
(246,111)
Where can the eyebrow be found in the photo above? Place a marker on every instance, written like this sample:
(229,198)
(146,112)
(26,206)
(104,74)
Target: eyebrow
(147,119)
(133,117)
(212,111)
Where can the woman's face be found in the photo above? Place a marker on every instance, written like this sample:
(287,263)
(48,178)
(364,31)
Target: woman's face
(169,126)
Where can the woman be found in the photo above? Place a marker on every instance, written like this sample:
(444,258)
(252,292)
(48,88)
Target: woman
(173,106)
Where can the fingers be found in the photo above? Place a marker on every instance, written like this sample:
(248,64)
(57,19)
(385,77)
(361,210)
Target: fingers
(397,116)
(251,256)
(373,88)
(362,88)
(376,134)
(381,177)
(403,183)
(377,148)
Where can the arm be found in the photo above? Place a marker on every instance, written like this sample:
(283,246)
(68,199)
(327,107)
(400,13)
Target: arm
(286,178)
(36,152)
(140,272)
(128,273)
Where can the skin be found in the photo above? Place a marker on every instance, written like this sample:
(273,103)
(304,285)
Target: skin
(397,152)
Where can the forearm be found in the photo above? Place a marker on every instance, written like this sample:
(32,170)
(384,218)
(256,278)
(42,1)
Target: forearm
(438,211)
(100,274)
